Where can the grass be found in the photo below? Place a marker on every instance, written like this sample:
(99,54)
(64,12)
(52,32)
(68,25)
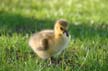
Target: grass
(88,20)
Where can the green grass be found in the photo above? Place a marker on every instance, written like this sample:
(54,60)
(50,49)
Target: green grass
(88,20)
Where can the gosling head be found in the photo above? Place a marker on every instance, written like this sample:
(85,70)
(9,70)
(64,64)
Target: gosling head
(61,28)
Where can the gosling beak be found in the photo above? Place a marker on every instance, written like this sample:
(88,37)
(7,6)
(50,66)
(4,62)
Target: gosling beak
(66,32)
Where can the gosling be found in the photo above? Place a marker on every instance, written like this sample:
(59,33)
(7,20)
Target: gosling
(49,43)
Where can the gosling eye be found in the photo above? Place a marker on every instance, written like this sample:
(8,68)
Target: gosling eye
(61,28)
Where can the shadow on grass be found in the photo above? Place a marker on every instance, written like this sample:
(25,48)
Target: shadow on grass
(83,31)
(14,23)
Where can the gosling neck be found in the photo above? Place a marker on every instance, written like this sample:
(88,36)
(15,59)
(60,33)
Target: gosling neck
(58,35)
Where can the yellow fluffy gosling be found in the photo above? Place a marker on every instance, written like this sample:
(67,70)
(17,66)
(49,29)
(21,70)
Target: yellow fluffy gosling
(49,43)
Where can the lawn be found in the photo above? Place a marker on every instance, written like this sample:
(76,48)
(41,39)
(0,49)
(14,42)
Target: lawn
(88,27)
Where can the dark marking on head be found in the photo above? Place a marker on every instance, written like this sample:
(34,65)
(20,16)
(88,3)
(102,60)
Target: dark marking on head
(62,22)
(61,29)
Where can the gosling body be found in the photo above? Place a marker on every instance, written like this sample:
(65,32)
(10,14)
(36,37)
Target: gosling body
(49,43)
